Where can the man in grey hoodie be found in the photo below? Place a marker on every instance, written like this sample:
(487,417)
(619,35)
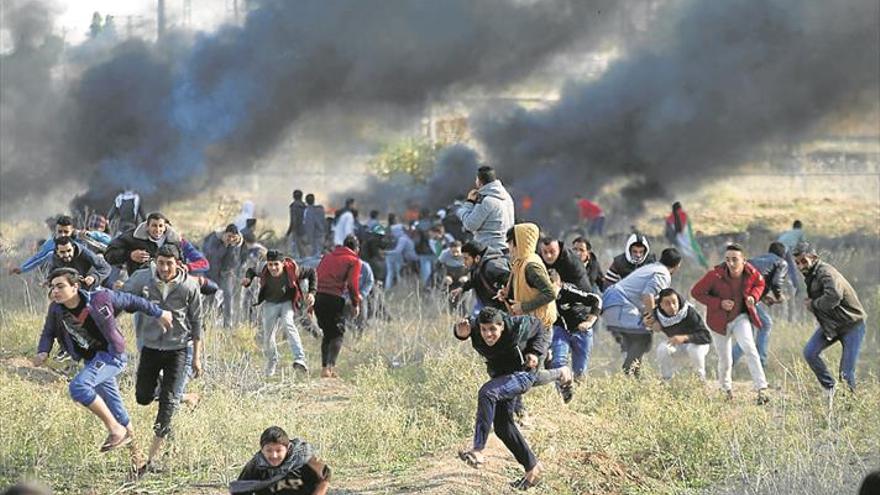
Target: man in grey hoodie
(164,352)
(488,212)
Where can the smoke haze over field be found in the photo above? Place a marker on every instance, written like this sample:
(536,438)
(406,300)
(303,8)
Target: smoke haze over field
(714,83)
(168,117)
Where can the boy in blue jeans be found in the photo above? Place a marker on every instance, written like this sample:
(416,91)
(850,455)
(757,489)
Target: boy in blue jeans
(84,324)
(573,331)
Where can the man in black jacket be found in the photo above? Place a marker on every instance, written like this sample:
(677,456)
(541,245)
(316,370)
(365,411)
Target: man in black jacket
(136,248)
(636,254)
(565,262)
(489,271)
(583,248)
(296,230)
(71,254)
(573,331)
(512,347)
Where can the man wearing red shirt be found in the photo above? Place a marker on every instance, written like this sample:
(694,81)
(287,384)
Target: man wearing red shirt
(730,291)
(591,214)
(338,270)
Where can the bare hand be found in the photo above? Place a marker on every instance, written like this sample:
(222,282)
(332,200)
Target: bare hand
(447,280)
(750,302)
(166,320)
(118,285)
(501,295)
(139,256)
(356,310)
(40,358)
(678,339)
(15,270)
(89,280)
(727,305)
(531,361)
(587,324)
(473,195)
(310,300)
(516,309)
(196,366)
(463,328)
(245,282)
(463,280)
(808,303)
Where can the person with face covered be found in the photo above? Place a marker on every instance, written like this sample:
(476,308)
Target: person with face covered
(839,313)
(686,332)
(637,253)
(512,347)
(71,254)
(730,292)
(281,295)
(164,351)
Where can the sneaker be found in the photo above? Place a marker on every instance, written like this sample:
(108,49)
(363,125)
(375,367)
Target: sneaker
(62,356)
(728,394)
(300,367)
(564,384)
(762,398)
(270,369)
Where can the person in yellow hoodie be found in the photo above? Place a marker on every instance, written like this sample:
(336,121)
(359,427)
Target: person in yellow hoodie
(529,290)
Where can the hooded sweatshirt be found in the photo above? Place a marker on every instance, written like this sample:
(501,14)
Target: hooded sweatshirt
(120,249)
(624,264)
(490,217)
(85,262)
(529,282)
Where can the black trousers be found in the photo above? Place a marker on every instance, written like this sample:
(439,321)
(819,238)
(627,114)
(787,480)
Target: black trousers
(635,346)
(172,366)
(330,312)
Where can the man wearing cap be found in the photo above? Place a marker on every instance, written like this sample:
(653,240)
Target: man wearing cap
(165,353)
(840,315)
(281,294)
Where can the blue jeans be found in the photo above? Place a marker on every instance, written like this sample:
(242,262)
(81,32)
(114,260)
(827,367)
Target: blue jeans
(426,267)
(762,336)
(579,343)
(280,315)
(852,344)
(393,265)
(495,405)
(187,373)
(597,226)
(98,379)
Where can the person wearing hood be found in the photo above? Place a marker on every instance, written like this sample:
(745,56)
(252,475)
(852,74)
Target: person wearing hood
(345,223)
(282,467)
(583,248)
(839,313)
(126,212)
(529,290)
(164,352)
(281,295)
(637,253)
(730,292)
(629,302)
(488,273)
(227,253)
(570,268)
(136,248)
(686,332)
(339,271)
(85,326)
(71,254)
(488,212)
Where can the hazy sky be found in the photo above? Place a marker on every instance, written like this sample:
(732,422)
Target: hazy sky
(74,16)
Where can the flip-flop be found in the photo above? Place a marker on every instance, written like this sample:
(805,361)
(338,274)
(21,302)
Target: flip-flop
(524,484)
(110,445)
(471,459)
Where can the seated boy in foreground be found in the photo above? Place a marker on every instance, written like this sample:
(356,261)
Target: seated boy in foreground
(282,467)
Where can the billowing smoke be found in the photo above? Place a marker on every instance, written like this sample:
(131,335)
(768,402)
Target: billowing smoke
(167,118)
(714,83)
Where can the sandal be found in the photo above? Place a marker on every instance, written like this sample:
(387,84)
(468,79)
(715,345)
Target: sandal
(524,484)
(470,458)
(109,444)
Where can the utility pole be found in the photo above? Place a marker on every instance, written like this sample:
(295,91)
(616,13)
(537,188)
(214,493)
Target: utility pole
(160,20)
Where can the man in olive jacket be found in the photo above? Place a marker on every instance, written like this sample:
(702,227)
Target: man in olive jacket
(840,315)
